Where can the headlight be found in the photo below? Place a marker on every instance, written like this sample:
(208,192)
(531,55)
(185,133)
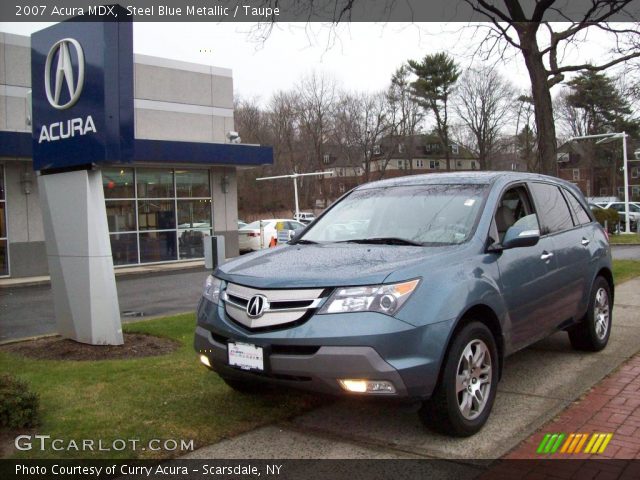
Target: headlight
(387,299)
(212,288)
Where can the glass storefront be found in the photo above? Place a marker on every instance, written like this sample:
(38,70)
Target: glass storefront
(157,215)
(4,243)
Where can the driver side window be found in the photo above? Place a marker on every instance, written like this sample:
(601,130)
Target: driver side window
(513,206)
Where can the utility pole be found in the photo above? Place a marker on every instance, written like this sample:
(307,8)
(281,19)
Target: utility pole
(607,138)
(295,176)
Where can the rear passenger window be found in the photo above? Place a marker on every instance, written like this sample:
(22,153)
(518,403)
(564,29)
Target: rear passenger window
(553,211)
(581,214)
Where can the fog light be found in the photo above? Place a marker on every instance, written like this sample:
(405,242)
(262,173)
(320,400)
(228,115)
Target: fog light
(367,386)
(205,360)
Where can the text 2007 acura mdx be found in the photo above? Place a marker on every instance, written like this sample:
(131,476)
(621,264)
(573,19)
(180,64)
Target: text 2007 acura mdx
(414,287)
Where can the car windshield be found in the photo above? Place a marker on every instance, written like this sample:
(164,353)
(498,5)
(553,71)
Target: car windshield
(405,215)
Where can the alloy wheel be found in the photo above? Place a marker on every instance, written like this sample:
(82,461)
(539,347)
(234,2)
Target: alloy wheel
(473,379)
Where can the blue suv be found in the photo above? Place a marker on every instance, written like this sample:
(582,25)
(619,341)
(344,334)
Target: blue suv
(416,287)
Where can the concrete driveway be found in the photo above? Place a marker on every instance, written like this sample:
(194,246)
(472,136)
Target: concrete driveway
(28,311)
(537,384)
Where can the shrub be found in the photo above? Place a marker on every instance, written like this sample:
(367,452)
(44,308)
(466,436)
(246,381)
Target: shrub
(19,406)
(608,214)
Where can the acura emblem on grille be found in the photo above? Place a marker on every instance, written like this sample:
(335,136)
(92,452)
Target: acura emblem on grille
(257,305)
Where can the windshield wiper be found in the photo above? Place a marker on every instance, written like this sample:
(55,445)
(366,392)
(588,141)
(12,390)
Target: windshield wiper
(384,241)
(304,242)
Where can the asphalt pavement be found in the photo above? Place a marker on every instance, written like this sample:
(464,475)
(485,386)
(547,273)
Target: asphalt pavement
(28,311)
(625,252)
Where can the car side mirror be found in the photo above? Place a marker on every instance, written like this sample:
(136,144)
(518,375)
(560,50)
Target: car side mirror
(520,236)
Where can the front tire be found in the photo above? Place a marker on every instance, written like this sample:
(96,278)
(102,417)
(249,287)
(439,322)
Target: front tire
(592,333)
(462,401)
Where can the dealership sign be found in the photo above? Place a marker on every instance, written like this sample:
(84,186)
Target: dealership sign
(82,88)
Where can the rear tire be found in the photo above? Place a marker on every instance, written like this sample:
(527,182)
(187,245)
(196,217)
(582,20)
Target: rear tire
(462,401)
(245,386)
(592,333)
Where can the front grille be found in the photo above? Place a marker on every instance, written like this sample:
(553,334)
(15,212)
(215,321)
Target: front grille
(283,308)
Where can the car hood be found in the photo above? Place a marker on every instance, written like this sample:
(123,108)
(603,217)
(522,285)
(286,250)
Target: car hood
(328,265)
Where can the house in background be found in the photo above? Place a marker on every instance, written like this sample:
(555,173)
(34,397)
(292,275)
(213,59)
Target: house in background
(418,154)
(598,170)
(392,157)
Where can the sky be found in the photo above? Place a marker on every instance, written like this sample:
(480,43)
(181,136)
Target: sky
(361,56)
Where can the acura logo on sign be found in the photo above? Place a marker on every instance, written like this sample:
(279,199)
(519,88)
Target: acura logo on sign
(257,306)
(64,74)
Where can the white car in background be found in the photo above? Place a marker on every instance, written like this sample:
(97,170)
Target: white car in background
(634,211)
(250,237)
(304,217)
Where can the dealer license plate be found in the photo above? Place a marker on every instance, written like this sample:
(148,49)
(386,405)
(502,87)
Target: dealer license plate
(246,356)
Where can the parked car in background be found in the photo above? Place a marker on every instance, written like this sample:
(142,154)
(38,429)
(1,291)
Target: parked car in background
(264,233)
(241,224)
(415,287)
(304,217)
(634,211)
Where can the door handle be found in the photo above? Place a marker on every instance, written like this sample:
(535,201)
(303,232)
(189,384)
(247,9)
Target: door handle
(546,256)
(584,242)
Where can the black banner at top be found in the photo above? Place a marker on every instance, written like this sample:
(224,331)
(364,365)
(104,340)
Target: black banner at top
(317,10)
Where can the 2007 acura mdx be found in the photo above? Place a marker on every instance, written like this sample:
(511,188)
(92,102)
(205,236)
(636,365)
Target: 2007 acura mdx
(414,287)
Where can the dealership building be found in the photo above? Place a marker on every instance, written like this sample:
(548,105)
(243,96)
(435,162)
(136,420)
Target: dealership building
(175,183)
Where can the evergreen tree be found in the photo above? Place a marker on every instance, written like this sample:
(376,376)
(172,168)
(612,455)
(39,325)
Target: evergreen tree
(437,75)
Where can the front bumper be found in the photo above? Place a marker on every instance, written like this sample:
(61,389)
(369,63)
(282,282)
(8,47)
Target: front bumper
(315,354)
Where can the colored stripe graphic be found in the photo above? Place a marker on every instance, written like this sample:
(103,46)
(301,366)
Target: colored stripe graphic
(543,443)
(598,442)
(573,443)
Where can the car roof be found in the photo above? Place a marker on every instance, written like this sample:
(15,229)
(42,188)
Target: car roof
(470,178)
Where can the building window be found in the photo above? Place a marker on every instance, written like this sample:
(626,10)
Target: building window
(401,148)
(576,174)
(420,163)
(4,241)
(454,149)
(635,172)
(635,192)
(157,215)
(376,149)
(459,164)
(341,188)
(473,164)
(326,158)
(434,164)
(427,147)
(620,192)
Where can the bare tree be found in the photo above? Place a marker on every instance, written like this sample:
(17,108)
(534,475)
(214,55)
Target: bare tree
(404,116)
(542,44)
(318,96)
(485,106)
(361,124)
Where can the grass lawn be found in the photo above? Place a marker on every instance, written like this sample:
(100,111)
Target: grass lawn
(165,397)
(625,270)
(631,239)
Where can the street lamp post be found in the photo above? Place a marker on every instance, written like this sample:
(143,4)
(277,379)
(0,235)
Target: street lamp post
(610,137)
(295,176)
